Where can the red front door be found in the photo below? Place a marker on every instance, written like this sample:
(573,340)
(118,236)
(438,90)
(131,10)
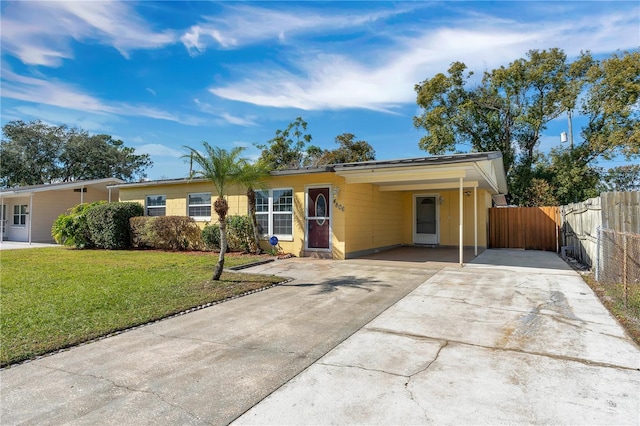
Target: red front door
(318,221)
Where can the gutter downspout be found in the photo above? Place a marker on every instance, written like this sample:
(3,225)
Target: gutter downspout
(82,194)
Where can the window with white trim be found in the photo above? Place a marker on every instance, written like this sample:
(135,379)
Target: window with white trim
(20,215)
(199,206)
(274,212)
(156,205)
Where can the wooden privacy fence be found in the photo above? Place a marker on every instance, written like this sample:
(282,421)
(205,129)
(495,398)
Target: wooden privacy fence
(531,228)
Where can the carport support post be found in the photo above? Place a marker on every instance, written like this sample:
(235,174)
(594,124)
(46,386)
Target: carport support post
(475,220)
(461,222)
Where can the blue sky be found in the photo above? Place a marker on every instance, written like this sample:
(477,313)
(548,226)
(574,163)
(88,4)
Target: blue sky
(161,75)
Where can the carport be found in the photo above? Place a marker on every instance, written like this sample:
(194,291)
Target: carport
(464,173)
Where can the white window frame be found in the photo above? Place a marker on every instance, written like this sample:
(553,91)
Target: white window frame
(20,215)
(189,205)
(148,207)
(270,214)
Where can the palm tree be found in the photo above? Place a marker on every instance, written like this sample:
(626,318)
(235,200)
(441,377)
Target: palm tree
(223,168)
(253,177)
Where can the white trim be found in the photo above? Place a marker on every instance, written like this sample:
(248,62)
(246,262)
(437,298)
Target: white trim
(475,221)
(164,206)
(415,218)
(200,218)
(270,214)
(427,186)
(306,218)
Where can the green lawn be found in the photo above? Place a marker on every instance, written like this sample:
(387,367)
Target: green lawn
(52,298)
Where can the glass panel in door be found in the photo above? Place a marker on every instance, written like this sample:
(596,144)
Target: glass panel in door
(426,217)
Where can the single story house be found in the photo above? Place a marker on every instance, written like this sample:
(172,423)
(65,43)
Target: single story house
(347,210)
(28,212)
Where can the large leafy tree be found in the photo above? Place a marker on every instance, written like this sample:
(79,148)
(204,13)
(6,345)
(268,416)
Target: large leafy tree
(349,151)
(223,168)
(37,153)
(506,112)
(622,178)
(286,150)
(510,107)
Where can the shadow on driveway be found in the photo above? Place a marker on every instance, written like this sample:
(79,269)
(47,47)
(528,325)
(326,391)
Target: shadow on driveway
(349,281)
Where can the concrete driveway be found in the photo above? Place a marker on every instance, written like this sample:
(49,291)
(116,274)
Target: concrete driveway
(209,366)
(515,337)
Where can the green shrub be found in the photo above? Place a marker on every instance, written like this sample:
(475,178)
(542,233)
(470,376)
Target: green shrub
(71,229)
(239,234)
(211,236)
(140,237)
(165,232)
(109,224)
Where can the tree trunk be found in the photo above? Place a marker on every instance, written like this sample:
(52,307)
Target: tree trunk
(223,249)
(221,207)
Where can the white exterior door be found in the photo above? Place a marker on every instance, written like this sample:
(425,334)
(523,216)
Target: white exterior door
(426,219)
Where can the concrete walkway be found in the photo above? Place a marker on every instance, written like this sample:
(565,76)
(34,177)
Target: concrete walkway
(514,338)
(15,245)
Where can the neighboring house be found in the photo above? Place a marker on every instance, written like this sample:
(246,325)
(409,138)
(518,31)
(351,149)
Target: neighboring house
(28,212)
(348,210)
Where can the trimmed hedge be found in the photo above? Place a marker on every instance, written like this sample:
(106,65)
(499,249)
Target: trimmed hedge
(166,233)
(109,224)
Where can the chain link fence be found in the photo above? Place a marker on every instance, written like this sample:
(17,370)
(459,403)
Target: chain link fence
(617,267)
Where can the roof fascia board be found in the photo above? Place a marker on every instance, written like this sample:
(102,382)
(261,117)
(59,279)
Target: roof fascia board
(429,186)
(60,186)
(378,176)
(288,172)
(489,179)
(159,183)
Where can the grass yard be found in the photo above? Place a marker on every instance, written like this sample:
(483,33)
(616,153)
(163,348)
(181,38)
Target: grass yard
(625,309)
(53,298)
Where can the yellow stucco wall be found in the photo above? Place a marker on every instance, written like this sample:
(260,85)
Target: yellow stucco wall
(373,219)
(363,217)
(177,198)
(177,205)
(449,217)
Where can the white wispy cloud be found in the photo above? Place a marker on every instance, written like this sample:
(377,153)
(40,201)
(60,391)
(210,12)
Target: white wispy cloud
(92,122)
(39,33)
(383,78)
(64,95)
(240,25)
(159,150)
(226,117)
